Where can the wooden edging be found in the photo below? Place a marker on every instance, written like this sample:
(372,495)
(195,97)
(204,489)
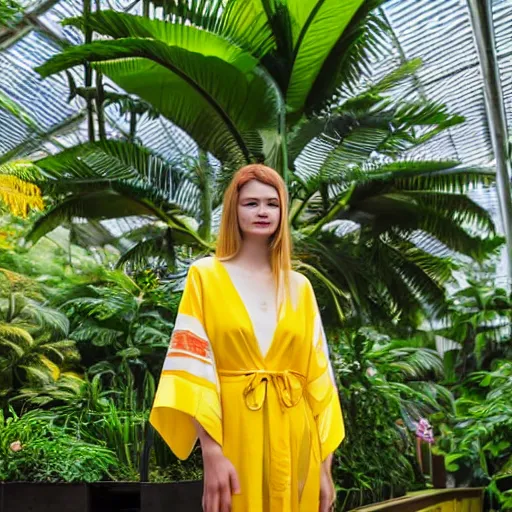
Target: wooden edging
(421,501)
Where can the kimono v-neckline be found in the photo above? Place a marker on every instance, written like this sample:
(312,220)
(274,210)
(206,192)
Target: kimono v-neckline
(241,304)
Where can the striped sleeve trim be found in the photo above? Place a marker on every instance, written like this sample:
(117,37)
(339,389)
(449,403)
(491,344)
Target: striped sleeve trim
(190,350)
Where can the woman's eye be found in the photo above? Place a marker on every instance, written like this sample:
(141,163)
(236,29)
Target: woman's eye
(274,205)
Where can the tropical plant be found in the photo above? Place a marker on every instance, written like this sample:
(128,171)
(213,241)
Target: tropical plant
(389,214)
(476,438)
(33,448)
(386,386)
(122,326)
(9,10)
(34,349)
(252,81)
(479,322)
(16,194)
(122,431)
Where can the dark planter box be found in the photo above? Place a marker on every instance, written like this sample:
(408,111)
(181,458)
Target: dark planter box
(101,497)
(41,497)
(114,497)
(167,497)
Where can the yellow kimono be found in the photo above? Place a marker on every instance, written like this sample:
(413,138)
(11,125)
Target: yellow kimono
(276,417)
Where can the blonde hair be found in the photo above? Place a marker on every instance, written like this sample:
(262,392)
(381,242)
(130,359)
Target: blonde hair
(230,238)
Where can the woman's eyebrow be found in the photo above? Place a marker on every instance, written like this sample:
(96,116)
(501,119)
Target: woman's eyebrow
(260,198)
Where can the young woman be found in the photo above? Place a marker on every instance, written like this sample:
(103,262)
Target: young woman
(248,370)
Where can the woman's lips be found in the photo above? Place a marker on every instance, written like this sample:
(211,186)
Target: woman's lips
(262,223)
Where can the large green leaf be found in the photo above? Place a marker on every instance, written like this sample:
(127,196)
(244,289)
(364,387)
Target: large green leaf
(95,205)
(242,23)
(121,200)
(120,25)
(216,103)
(108,161)
(157,247)
(23,169)
(318,24)
(16,110)
(363,41)
(458,179)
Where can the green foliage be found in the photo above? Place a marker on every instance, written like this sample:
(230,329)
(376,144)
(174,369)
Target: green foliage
(386,386)
(476,438)
(479,320)
(34,349)
(355,193)
(10,10)
(34,449)
(98,384)
(204,70)
(122,326)
(282,83)
(39,272)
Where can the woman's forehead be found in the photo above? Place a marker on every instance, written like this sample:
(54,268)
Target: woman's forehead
(257,189)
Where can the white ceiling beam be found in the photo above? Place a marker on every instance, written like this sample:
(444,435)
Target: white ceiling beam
(483,32)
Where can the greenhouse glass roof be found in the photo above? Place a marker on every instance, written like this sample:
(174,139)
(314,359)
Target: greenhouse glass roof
(437,31)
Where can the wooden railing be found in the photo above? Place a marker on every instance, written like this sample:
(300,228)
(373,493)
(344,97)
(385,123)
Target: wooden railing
(435,500)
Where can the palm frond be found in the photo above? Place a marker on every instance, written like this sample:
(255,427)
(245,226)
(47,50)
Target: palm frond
(452,234)
(204,84)
(20,196)
(319,29)
(16,110)
(460,207)
(94,205)
(417,364)
(160,247)
(25,170)
(109,161)
(236,25)
(349,59)
(403,270)
(457,180)
(439,268)
(396,77)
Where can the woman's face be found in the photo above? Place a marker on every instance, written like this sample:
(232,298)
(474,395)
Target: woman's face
(259,210)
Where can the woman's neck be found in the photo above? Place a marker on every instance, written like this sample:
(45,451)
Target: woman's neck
(254,255)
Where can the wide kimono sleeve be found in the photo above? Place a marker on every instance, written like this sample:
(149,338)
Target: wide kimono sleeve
(188,388)
(322,392)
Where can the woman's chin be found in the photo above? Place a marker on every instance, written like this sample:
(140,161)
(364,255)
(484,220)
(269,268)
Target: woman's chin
(262,233)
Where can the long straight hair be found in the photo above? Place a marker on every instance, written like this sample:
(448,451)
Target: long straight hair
(230,237)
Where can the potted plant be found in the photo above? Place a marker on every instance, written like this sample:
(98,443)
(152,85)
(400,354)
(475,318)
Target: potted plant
(43,467)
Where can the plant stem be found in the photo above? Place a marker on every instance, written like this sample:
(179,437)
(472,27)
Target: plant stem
(100,98)
(333,212)
(88,71)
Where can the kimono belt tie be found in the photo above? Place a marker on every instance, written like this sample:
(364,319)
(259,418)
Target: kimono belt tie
(289,386)
(277,454)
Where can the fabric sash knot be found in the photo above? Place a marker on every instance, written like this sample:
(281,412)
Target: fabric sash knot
(289,386)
